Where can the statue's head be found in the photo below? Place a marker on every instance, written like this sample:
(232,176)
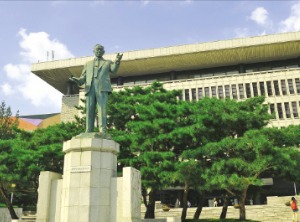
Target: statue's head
(99,50)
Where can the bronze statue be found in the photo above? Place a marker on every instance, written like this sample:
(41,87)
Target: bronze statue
(95,76)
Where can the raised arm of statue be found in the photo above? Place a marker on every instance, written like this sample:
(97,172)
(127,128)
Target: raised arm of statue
(118,58)
(115,65)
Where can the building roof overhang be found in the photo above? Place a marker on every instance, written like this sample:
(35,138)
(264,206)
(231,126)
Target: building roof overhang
(177,58)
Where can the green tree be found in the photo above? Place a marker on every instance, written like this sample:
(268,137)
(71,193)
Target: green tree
(8,174)
(24,157)
(42,151)
(189,172)
(154,120)
(213,120)
(285,137)
(149,123)
(8,126)
(237,163)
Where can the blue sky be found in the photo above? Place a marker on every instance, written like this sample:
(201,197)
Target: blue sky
(71,28)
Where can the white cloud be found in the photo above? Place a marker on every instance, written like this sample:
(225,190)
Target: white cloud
(260,16)
(30,86)
(292,23)
(7,89)
(16,71)
(34,47)
(39,93)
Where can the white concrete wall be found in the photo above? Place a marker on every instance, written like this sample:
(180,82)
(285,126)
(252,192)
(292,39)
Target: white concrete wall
(5,216)
(129,196)
(68,110)
(48,191)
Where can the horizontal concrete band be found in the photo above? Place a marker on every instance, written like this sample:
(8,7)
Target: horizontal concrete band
(99,149)
(91,144)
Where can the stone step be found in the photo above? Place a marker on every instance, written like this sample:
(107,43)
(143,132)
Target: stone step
(263,213)
(28,217)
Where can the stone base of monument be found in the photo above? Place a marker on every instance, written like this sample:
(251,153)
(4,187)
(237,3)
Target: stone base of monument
(88,190)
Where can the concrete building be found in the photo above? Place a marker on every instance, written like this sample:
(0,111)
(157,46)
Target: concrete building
(33,122)
(236,68)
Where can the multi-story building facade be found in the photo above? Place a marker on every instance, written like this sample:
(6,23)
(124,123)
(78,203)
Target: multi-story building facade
(237,69)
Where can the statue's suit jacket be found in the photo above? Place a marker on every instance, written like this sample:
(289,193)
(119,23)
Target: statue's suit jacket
(101,76)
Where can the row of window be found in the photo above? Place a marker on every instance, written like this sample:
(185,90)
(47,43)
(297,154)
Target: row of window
(285,110)
(208,72)
(246,90)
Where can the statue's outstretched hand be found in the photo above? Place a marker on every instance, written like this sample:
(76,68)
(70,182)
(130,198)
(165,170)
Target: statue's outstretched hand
(118,58)
(74,79)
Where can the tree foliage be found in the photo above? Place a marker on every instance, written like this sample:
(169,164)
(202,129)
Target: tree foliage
(24,157)
(143,121)
(8,128)
(157,131)
(8,124)
(237,163)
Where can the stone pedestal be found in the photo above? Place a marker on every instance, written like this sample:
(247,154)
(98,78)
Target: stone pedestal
(90,163)
(89,189)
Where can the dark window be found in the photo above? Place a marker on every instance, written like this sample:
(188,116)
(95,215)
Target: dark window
(298,85)
(276,87)
(291,87)
(272,109)
(248,90)
(220,92)
(295,110)
(254,87)
(200,93)
(241,91)
(269,88)
(283,87)
(206,91)
(262,88)
(213,91)
(227,91)
(287,110)
(233,90)
(194,94)
(279,110)
(187,95)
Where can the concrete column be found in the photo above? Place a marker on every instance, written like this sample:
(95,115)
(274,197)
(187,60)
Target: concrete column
(46,193)
(90,163)
(128,205)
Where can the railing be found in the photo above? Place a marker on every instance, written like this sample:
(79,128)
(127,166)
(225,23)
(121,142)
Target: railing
(211,77)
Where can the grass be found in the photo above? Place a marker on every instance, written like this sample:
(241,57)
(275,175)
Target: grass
(2,205)
(219,220)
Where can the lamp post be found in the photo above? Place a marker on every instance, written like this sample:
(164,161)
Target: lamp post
(12,193)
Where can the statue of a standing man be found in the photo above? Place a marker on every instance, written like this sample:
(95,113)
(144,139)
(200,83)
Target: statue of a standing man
(95,76)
